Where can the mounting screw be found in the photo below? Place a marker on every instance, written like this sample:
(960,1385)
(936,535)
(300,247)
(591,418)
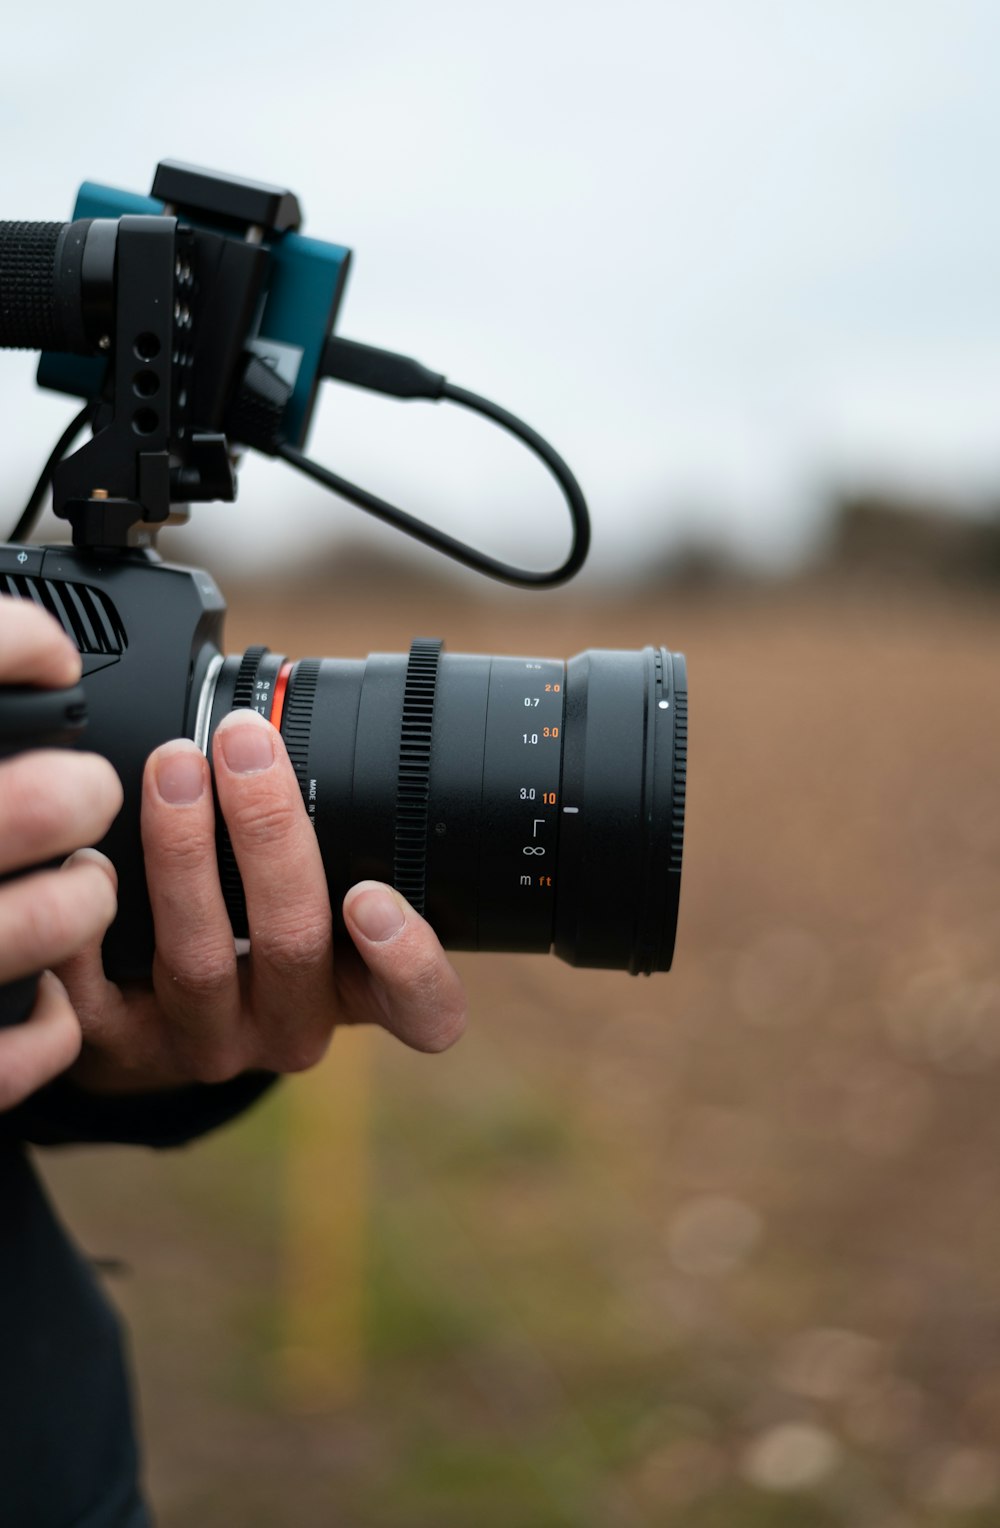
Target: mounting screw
(104,343)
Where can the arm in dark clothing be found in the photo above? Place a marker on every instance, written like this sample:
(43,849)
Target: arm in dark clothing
(62,1113)
(67,1445)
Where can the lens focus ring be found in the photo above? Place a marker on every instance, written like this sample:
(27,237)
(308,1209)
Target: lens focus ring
(413,787)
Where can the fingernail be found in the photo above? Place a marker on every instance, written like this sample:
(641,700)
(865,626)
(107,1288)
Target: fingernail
(247,746)
(376,913)
(52,980)
(92,857)
(180,776)
(86,856)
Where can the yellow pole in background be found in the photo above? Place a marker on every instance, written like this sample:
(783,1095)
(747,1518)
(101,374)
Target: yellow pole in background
(328,1175)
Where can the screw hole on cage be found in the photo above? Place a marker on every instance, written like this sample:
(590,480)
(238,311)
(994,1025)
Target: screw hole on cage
(147,346)
(145,421)
(145,384)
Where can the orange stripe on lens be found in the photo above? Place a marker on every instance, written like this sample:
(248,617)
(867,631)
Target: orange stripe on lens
(280,686)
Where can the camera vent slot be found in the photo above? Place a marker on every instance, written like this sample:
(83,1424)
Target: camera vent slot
(86,615)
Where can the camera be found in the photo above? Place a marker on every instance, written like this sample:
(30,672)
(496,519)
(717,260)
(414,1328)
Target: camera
(521,803)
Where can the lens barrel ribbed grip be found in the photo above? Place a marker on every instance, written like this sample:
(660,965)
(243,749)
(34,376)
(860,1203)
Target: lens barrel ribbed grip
(679,796)
(297,718)
(413,786)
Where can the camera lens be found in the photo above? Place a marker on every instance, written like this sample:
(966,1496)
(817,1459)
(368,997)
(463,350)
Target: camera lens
(519,803)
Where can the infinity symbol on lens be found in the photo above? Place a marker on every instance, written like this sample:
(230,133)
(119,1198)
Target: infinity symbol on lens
(532,849)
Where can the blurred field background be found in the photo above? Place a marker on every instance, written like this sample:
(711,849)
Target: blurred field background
(718,1249)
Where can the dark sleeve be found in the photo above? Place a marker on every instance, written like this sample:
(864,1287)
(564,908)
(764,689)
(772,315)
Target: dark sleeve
(67,1440)
(62,1113)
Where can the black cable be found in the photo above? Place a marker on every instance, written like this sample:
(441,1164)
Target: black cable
(572,492)
(399,376)
(32,509)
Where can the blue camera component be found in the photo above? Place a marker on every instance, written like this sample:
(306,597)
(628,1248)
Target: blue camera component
(303,290)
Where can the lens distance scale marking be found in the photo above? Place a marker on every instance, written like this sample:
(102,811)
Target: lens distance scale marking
(522,768)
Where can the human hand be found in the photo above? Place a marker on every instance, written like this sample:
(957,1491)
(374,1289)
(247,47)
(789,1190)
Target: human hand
(52,802)
(209,1014)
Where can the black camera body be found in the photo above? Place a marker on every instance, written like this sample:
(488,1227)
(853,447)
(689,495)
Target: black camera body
(520,803)
(146,634)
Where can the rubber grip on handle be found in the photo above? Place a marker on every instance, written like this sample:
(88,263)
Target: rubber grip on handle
(34,718)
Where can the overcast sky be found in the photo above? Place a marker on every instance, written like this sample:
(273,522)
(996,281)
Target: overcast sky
(724,253)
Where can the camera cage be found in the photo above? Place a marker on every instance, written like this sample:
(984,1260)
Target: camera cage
(198,322)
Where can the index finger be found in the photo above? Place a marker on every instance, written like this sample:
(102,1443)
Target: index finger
(288,903)
(34,649)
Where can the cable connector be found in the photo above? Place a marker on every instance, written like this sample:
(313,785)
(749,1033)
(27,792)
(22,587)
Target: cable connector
(381,371)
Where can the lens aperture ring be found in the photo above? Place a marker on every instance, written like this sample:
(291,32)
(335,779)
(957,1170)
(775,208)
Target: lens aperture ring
(409,873)
(245,679)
